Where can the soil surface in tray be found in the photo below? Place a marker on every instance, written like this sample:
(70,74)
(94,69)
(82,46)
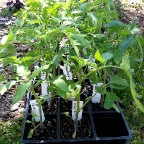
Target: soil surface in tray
(47,133)
(67,128)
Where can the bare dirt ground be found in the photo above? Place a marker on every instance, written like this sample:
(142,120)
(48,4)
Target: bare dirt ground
(8,112)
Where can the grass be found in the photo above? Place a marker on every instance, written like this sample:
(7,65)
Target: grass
(11,133)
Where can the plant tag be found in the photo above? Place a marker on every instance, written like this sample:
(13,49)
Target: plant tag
(1,64)
(43,76)
(35,109)
(36,65)
(74,109)
(96,96)
(44,85)
(44,89)
(67,72)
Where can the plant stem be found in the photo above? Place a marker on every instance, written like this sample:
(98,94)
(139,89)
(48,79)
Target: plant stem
(39,105)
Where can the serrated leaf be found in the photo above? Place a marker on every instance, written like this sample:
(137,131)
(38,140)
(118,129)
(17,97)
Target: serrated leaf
(30,134)
(20,92)
(4,39)
(99,57)
(111,97)
(126,43)
(60,83)
(118,81)
(107,56)
(4,88)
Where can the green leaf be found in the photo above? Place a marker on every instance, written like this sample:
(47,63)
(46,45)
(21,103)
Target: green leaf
(102,90)
(117,56)
(135,96)
(2,78)
(126,43)
(107,56)
(74,43)
(61,93)
(82,62)
(77,91)
(114,23)
(118,81)
(28,121)
(38,71)
(22,71)
(9,49)
(60,83)
(111,97)
(92,15)
(99,57)
(10,60)
(125,63)
(21,90)
(80,40)
(115,86)
(30,134)
(116,108)
(4,88)
(139,104)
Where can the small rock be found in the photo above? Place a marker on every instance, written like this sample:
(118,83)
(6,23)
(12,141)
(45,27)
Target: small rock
(21,110)
(15,106)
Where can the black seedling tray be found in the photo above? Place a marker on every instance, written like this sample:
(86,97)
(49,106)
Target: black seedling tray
(107,127)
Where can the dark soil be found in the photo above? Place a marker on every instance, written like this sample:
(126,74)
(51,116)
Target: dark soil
(67,128)
(47,133)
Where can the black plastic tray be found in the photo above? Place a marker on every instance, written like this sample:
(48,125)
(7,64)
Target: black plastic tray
(107,126)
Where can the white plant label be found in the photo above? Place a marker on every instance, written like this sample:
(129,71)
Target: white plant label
(44,87)
(1,64)
(43,76)
(67,72)
(36,65)
(96,96)
(74,109)
(35,109)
